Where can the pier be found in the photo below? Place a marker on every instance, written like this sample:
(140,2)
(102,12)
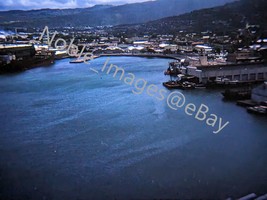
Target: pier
(147,55)
(248,72)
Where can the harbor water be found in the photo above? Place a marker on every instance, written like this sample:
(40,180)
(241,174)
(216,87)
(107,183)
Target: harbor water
(68,132)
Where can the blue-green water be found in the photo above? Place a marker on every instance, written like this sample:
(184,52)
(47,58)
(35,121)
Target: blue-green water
(69,133)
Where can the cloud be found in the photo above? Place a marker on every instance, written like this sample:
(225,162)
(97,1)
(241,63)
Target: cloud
(37,4)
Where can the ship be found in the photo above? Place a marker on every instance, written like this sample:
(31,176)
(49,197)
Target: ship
(15,58)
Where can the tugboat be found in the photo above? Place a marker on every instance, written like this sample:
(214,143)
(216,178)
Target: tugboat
(183,82)
(188,85)
(173,85)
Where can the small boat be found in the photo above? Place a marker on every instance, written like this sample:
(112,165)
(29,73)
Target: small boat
(77,61)
(200,86)
(173,85)
(188,85)
(179,85)
(237,94)
(260,110)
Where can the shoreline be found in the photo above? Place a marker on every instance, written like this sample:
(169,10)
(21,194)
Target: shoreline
(62,57)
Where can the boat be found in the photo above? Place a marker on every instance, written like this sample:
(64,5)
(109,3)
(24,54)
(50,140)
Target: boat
(183,82)
(225,81)
(188,85)
(173,85)
(77,61)
(17,66)
(260,110)
(82,60)
(236,94)
(200,86)
(264,103)
(179,85)
(15,58)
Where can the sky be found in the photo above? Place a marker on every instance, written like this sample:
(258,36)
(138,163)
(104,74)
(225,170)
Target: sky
(39,4)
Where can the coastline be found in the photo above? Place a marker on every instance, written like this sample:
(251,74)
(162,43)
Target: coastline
(56,58)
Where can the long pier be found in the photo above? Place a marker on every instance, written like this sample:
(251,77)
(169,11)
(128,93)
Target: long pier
(146,55)
(172,56)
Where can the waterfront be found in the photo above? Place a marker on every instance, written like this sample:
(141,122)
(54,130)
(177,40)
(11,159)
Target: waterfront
(68,133)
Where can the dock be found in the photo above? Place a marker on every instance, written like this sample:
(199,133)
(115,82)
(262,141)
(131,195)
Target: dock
(247,103)
(147,55)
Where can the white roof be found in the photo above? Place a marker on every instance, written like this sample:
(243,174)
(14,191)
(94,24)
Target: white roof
(2,46)
(163,45)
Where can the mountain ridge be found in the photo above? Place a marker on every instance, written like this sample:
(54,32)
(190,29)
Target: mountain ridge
(229,17)
(104,14)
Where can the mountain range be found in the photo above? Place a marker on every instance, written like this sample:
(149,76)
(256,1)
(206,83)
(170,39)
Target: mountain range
(101,15)
(224,19)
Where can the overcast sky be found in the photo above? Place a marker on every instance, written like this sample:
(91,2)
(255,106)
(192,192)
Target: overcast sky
(38,4)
